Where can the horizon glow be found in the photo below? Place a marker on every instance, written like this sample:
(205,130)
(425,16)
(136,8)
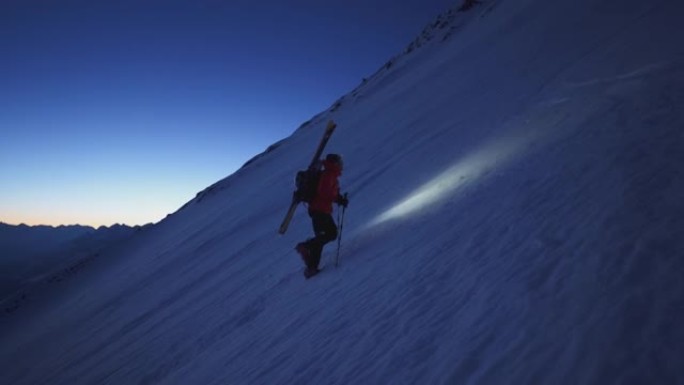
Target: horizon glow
(120,112)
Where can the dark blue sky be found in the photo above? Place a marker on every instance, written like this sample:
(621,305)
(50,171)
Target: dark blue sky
(120,111)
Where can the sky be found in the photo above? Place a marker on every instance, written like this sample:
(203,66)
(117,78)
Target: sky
(515,217)
(120,112)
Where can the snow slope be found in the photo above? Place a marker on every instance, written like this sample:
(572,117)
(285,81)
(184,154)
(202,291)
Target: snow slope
(515,217)
(29,253)
(23,248)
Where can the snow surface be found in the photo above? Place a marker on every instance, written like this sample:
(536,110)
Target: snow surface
(516,214)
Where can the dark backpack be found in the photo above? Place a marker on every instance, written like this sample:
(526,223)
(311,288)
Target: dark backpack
(306,183)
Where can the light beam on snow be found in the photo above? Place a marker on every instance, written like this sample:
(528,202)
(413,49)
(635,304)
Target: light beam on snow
(468,170)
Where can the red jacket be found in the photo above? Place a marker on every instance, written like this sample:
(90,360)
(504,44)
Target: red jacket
(328,189)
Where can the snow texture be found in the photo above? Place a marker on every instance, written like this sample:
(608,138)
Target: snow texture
(516,215)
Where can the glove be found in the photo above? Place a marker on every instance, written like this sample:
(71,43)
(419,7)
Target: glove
(342,200)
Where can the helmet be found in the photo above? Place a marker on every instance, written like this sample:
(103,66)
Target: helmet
(334,158)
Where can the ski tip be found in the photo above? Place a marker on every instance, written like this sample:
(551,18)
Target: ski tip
(331,124)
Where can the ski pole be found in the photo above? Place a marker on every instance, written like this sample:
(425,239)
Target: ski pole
(340,220)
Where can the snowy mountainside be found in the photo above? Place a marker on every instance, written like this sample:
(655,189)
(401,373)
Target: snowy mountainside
(515,217)
(31,255)
(22,240)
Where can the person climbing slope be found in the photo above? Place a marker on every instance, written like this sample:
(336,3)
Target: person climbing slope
(320,211)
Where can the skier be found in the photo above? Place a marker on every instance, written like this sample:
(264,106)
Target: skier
(320,211)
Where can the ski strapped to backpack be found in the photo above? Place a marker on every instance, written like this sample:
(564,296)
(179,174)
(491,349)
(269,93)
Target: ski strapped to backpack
(306,181)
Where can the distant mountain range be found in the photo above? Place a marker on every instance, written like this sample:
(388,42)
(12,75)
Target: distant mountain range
(28,253)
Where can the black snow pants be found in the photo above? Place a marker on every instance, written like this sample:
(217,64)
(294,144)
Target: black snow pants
(325,231)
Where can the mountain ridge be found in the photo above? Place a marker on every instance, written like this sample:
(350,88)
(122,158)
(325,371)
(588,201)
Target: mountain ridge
(33,254)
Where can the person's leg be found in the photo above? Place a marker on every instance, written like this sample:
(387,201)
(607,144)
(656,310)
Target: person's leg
(325,231)
(309,247)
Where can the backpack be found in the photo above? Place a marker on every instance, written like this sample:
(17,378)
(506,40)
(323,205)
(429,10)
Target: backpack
(306,183)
